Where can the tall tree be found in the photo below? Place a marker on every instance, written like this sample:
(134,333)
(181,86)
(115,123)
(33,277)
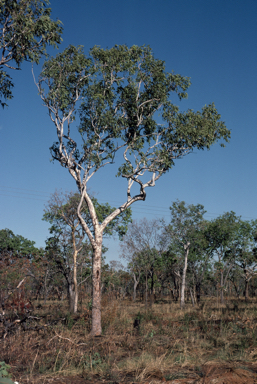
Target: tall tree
(246,257)
(221,235)
(26,28)
(117,93)
(141,247)
(186,220)
(67,244)
(169,267)
(199,261)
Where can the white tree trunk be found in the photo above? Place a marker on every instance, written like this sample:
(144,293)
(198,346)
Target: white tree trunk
(71,291)
(183,283)
(135,285)
(96,239)
(96,291)
(75,254)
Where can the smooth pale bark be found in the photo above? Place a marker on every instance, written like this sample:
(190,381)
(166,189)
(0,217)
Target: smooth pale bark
(96,240)
(72,281)
(71,293)
(75,255)
(135,285)
(96,292)
(183,282)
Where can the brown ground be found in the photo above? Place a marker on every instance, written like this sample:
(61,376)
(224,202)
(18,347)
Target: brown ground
(209,374)
(206,345)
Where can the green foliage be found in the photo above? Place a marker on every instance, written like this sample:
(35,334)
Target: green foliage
(6,85)
(245,244)
(4,375)
(222,231)
(92,361)
(16,245)
(26,30)
(61,213)
(185,220)
(5,380)
(117,92)
(185,229)
(151,334)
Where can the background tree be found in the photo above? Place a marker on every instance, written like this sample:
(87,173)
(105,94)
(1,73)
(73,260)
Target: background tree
(186,220)
(117,93)
(26,30)
(221,235)
(199,261)
(116,280)
(67,244)
(16,262)
(168,267)
(141,248)
(246,257)
(67,240)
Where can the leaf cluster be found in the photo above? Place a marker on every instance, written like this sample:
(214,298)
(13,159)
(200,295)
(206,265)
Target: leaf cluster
(117,93)
(5,377)
(16,246)
(186,222)
(63,214)
(26,28)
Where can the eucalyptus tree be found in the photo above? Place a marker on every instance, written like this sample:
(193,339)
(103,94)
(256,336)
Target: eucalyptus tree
(200,258)
(26,28)
(67,243)
(186,220)
(246,256)
(222,238)
(141,247)
(117,94)
(169,267)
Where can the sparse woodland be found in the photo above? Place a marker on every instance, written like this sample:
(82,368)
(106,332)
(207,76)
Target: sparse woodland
(149,329)
(181,303)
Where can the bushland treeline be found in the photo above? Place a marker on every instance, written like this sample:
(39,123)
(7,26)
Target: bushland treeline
(182,260)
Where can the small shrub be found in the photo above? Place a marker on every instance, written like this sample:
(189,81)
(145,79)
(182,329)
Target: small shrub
(92,361)
(69,321)
(4,375)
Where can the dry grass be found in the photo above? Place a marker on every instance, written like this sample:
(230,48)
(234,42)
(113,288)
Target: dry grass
(168,342)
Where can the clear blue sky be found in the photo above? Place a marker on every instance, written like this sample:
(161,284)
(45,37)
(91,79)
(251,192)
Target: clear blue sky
(212,42)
